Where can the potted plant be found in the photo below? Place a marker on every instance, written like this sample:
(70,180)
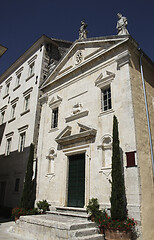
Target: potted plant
(116,229)
(93,209)
(17,212)
(43,206)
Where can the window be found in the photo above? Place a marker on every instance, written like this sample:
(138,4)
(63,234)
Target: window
(26,103)
(31,69)
(22,141)
(106,99)
(18,79)
(54,123)
(130,156)
(13,111)
(2,117)
(7,88)
(8,146)
(16,188)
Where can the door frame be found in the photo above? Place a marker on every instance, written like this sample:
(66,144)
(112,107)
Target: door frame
(76,159)
(74,151)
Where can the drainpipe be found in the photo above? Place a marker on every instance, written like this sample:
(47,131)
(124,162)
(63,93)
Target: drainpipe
(146,106)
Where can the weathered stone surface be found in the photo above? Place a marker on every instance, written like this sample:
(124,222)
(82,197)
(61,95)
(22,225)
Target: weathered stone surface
(57,227)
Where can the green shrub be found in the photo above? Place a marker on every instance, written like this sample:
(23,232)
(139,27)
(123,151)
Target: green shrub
(43,206)
(32,211)
(93,207)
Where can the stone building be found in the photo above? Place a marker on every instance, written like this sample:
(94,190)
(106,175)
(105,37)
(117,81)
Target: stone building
(97,79)
(20,112)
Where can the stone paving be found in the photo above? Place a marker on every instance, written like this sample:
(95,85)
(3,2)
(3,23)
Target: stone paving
(6,233)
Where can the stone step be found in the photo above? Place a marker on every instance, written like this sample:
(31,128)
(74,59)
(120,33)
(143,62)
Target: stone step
(80,211)
(83,225)
(51,227)
(68,214)
(86,232)
(92,237)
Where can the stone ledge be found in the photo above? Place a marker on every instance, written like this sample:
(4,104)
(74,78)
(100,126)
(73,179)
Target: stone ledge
(11,120)
(76,116)
(16,87)
(23,113)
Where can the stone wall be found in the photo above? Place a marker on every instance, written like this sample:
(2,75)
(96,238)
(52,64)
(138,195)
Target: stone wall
(142,139)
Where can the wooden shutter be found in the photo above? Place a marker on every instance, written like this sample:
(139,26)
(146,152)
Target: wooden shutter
(130,159)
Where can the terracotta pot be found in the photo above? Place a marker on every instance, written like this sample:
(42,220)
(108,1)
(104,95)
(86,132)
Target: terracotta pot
(116,234)
(16,218)
(102,230)
(92,218)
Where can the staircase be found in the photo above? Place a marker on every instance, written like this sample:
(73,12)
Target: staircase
(62,223)
(81,228)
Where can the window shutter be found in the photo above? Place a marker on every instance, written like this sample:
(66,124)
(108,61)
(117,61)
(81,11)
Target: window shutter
(130,159)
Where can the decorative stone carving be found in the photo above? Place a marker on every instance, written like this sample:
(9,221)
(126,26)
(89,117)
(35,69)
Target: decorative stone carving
(77,108)
(55,102)
(51,158)
(76,116)
(107,142)
(79,57)
(105,151)
(52,154)
(82,31)
(52,65)
(122,59)
(122,24)
(83,137)
(104,79)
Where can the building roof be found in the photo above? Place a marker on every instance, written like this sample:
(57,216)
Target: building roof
(36,45)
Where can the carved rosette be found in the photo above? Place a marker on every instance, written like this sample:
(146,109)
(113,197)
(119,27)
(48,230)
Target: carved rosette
(78,57)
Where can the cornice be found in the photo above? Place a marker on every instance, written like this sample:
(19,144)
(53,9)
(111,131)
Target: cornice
(76,138)
(28,53)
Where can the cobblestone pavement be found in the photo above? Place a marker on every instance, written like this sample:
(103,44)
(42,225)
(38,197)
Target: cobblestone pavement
(5,231)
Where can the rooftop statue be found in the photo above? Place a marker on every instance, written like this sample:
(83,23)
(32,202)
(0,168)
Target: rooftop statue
(82,31)
(122,24)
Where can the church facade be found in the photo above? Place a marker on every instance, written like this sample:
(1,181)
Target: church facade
(97,79)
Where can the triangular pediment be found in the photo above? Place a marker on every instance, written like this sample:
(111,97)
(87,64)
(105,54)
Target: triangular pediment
(83,133)
(83,52)
(65,133)
(55,101)
(103,78)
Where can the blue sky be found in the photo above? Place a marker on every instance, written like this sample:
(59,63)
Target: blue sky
(22,22)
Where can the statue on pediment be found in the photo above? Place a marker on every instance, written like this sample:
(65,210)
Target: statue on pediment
(83,31)
(122,24)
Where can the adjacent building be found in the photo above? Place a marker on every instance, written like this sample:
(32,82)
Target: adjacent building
(20,112)
(97,79)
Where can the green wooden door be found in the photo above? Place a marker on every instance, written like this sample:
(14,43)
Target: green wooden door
(76,181)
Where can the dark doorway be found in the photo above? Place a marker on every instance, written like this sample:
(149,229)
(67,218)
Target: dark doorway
(76,181)
(2,192)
